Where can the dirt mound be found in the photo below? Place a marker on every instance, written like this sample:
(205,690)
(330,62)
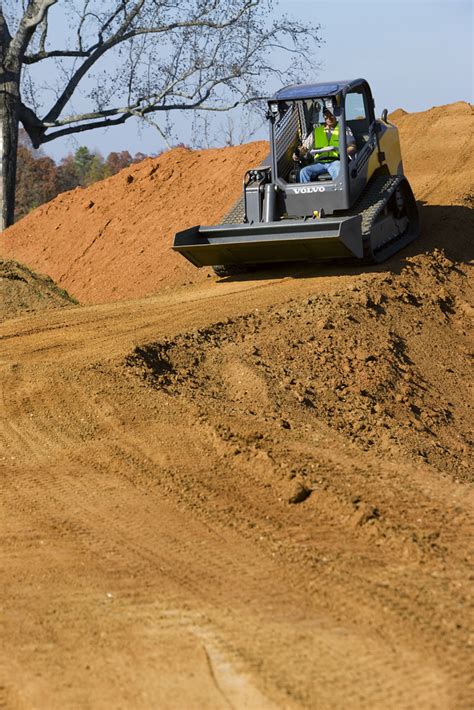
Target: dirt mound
(22,291)
(437,150)
(244,493)
(398,113)
(267,497)
(384,364)
(112,240)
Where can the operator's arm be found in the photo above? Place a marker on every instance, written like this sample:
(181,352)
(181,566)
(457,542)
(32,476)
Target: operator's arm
(302,154)
(351,143)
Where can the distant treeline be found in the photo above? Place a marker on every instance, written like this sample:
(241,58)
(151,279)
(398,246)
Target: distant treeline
(39,178)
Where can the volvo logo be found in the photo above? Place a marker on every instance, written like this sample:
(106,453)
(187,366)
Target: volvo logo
(307,190)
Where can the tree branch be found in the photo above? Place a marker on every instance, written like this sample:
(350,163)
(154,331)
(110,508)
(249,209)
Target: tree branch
(34,14)
(44,34)
(97,51)
(127,112)
(39,56)
(107,123)
(215,64)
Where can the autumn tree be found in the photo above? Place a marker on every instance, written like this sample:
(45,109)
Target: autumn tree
(37,179)
(116,59)
(118,161)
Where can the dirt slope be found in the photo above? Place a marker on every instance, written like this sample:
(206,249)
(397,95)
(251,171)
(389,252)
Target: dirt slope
(437,152)
(112,240)
(246,493)
(22,291)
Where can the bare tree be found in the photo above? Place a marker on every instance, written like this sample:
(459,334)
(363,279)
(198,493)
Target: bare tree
(239,129)
(122,58)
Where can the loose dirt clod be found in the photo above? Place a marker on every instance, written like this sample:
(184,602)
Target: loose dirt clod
(300,494)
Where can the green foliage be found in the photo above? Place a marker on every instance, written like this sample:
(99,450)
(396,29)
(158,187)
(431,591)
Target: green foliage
(89,167)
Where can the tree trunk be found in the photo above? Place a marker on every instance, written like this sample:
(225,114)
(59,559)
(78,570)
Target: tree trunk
(9,117)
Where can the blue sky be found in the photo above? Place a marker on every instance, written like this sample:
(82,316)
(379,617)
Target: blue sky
(415,54)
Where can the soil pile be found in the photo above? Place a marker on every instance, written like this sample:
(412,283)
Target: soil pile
(246,493)
(383,363)
(112,240)
(22,291)
(437,151)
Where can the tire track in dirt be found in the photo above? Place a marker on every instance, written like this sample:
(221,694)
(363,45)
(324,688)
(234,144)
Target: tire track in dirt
(109,529)
(174,500)
(405,598)
(110,538)
(147,538)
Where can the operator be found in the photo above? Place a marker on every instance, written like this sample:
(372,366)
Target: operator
(324,137)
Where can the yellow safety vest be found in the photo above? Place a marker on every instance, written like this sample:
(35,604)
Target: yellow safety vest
(321,141)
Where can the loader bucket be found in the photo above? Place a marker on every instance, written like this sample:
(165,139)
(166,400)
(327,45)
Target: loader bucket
(266,242)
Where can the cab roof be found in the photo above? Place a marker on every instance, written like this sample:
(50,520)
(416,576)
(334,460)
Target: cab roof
(315,91)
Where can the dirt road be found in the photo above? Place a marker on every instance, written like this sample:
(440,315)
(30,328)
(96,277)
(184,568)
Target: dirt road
(151,554)
(250,493)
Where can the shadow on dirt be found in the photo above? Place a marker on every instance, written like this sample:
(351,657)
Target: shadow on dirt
(446,227)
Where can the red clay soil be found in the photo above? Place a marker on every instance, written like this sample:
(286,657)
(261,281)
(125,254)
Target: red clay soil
(248,494)
(437,151)
(112,240)
(252,492)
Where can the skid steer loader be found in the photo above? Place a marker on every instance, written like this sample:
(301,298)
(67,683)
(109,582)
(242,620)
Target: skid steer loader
(367,212)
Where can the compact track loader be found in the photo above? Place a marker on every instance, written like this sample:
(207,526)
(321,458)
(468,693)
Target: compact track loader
(367,212)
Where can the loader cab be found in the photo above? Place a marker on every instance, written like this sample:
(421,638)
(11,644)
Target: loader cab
(293,114)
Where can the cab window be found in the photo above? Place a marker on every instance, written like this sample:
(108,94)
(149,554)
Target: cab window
(356,116)
(355,107)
